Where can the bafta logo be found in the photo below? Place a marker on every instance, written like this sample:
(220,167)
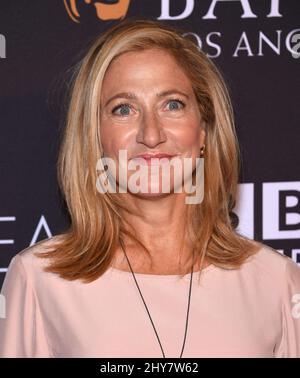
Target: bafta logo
(105,9)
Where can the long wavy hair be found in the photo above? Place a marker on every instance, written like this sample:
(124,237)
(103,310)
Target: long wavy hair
(86,249)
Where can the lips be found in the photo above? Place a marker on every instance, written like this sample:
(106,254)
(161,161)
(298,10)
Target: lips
(153,158)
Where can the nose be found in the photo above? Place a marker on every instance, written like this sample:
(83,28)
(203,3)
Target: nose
(151,132)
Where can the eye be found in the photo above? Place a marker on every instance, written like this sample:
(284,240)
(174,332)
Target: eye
(123,107)
(174,104)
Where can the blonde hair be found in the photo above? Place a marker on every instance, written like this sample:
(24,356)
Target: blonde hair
(85,251)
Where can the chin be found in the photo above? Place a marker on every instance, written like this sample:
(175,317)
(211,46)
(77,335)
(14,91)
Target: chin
(150,196)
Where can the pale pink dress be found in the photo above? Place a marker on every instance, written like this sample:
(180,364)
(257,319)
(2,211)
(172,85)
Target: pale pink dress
(250,312)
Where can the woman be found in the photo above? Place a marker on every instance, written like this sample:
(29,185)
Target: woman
(121,282)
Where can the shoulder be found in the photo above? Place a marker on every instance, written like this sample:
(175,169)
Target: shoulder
(276,282)
(268,257)
(269,264)
(28,259)
(26,269)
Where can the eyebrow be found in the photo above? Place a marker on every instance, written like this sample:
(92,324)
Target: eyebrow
(132,96)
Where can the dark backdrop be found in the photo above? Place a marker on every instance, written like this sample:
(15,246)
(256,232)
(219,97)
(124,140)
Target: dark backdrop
(254,44)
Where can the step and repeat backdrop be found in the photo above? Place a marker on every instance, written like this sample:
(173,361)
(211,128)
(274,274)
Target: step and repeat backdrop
(255,44)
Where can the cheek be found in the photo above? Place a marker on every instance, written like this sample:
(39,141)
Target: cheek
(112,140)
(188,136)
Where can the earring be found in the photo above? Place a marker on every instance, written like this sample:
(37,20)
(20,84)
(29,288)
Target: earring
(202,149)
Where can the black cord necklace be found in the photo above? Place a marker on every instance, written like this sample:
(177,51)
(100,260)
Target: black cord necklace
(188,308)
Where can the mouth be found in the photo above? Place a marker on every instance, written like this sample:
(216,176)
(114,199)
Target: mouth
(154,158)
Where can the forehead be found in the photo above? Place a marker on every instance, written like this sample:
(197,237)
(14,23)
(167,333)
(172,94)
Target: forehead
(147,68)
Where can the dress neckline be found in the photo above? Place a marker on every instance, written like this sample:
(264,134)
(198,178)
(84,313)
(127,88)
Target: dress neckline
(162,276)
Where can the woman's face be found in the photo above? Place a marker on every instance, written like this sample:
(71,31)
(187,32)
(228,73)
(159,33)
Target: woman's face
(147,107)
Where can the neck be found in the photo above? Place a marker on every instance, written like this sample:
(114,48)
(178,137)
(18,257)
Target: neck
(160,224)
